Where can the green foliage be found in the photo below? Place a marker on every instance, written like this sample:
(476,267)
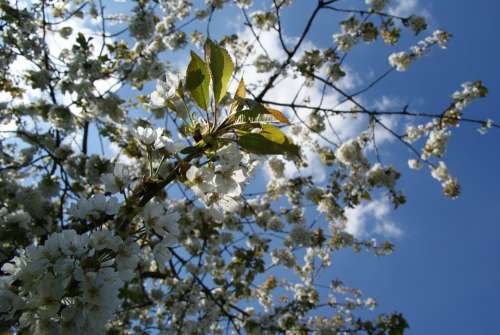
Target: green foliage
(249,118)
(270,140)
(221,68)
(257,112)
(198,81)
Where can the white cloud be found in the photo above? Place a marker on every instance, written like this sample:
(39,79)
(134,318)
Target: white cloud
(372,218)
(116,154)
(404,7)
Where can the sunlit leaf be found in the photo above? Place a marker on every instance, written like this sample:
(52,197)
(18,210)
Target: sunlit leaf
(257,112)
(198,81)
(269,141)
(241,91)
(278,115)
(221,68)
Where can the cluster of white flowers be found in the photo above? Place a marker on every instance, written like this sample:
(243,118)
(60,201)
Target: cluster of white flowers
(142,24)
(284,257)
(377,5)
(349,36)
(300,235)
(350,153)
(450,185)
(159,96)
(436,143)
(70,284)
(329,206)
(438,133)
(414,164)
(277,167)
(179,8)
(414,133)
(18,219)
(435,146)
(146,135)
(470,92)
(381,176)
(218,186)
(305,294)
(485,126)
(245,4)
(316,122)
(94,207)
(402,60)
(264,20)
(417,23)
(163,223)
(165,95)
(156,138)
(118,180)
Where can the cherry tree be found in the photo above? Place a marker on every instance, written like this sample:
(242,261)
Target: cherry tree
(156,179)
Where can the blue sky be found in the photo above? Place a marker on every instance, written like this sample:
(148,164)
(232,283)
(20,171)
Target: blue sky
(445,272)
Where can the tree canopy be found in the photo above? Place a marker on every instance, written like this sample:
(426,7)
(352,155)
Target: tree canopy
(159,170)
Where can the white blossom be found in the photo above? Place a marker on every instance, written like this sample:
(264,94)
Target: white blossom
(146,135)
(377,5)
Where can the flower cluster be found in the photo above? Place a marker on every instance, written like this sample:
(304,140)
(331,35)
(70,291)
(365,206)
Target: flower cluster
(438,132)
(451,188)
(349,36)
(162,223)
(70,284)
(377,5)
(157,139)
(402,60)
(350,154)
(94,207)
(219,186)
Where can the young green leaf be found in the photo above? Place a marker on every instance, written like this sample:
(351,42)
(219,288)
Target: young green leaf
(198,81)
(221,68)
(269,141)
(257,112)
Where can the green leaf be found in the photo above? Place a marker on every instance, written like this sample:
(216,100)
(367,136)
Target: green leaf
(189,150)
(269,141)
(257,112)
(80,39)
(198,81)
(251,117)
(221,68)
(195,149)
